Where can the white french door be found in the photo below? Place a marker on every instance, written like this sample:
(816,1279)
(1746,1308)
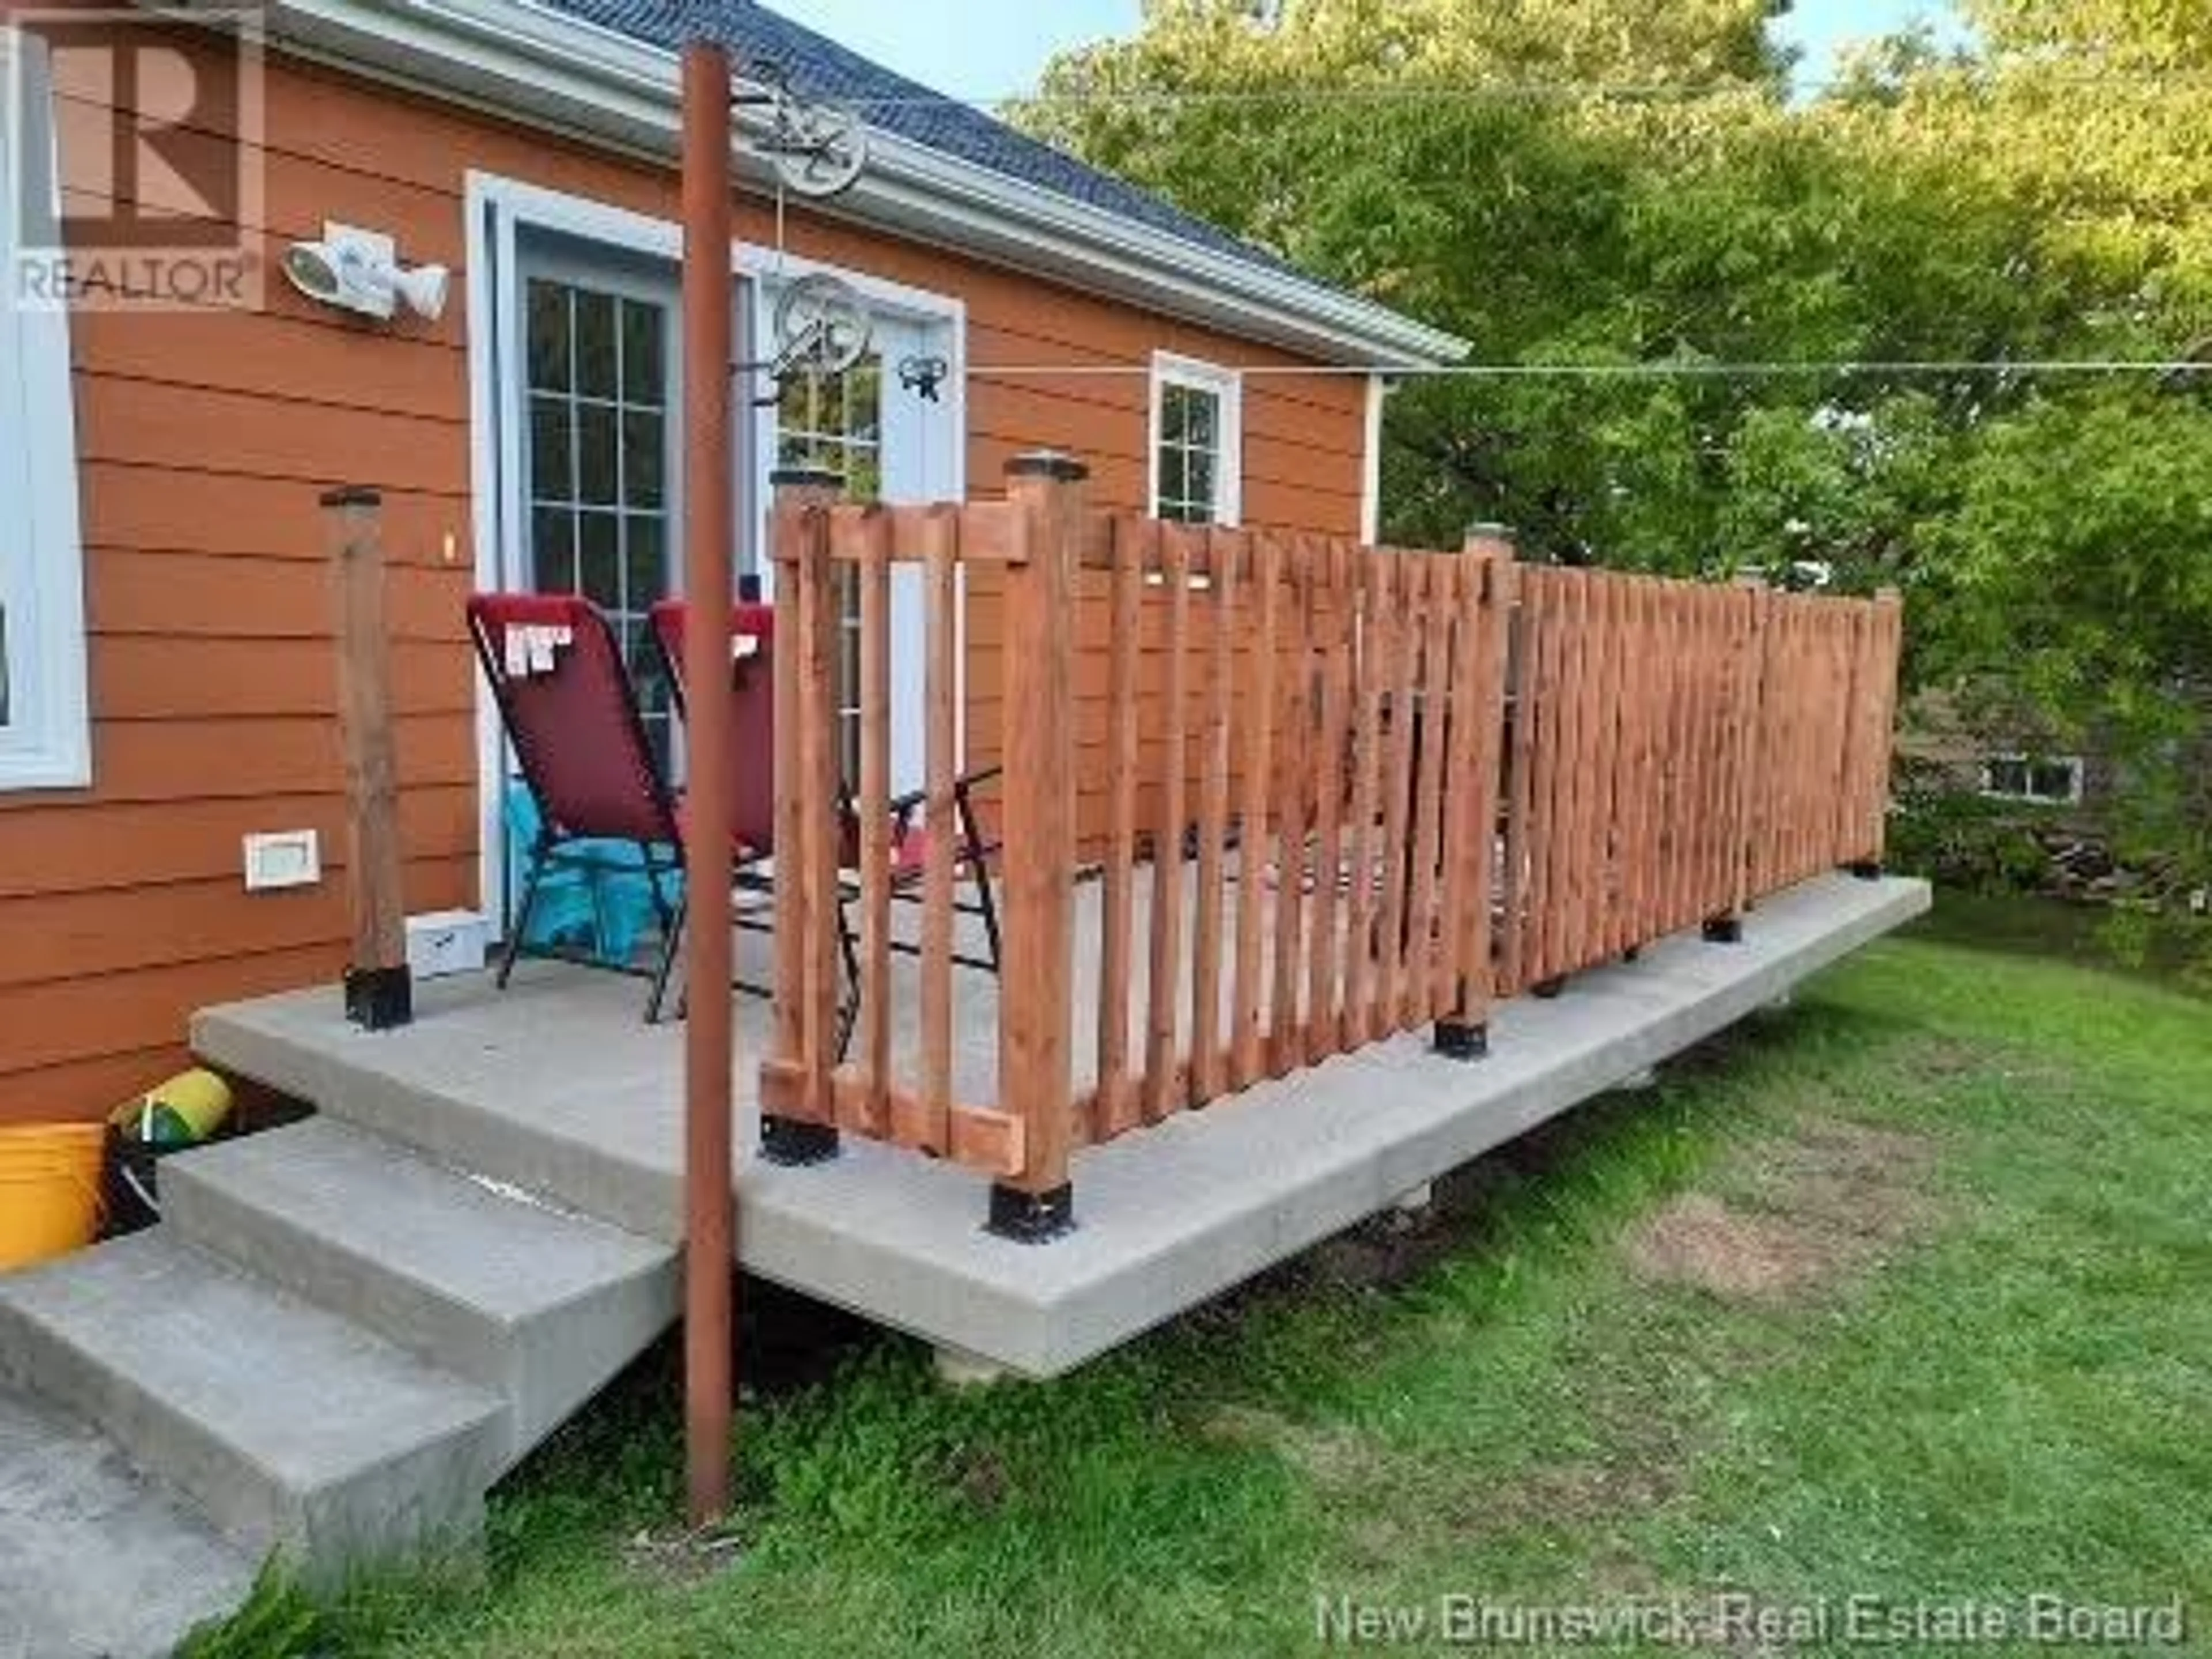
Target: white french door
(603,391)
(879,436)
(577,357)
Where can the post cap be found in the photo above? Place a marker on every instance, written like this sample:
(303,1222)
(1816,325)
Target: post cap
(805,478)
(1052,464)
(1490,530)
(353,495)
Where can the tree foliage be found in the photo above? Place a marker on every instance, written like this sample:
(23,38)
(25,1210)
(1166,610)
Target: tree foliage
(1612,182)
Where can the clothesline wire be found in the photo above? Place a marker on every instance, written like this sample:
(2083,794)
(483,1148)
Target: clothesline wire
(1640,371)
(1981,74)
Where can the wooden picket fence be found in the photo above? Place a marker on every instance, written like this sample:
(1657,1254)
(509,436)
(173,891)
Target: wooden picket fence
(1317,841)
(819,546)
(1679,749)
(1348,791)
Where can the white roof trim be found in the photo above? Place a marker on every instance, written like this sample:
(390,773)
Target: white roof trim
(552,69)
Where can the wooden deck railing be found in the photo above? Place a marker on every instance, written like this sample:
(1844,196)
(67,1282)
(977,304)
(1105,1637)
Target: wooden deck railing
(1314,877)
(1348,791)
(1679,749)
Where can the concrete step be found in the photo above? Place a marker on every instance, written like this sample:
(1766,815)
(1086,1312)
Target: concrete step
(96,1562)
(291,1428)
(540,1305)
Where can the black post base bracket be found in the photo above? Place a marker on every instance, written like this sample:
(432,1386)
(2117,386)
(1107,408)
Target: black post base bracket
(794,1142)
(379,998)
(1031,1218)
(1455,1041)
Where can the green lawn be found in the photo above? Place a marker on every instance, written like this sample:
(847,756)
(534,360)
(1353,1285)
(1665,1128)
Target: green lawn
(1906,1293)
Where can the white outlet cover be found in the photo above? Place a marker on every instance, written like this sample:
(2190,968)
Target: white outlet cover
(282,858)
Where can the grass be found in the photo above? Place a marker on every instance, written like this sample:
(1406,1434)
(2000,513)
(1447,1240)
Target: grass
(1901,1294)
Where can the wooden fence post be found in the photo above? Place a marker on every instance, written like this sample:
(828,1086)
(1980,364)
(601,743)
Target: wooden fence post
(1879,652)
(1035,1007)
(378,991)
(1748,753)
(792,1132)
(1478,728)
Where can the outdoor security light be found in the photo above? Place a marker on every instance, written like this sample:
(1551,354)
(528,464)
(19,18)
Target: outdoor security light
(359,271)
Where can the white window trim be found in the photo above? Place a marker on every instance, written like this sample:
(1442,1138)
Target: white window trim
(49,746)
(1228,386)
(2075,771)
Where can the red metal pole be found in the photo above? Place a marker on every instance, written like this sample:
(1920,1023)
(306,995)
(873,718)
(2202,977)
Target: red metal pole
(710,508)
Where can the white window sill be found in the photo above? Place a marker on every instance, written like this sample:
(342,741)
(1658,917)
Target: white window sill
(43,770)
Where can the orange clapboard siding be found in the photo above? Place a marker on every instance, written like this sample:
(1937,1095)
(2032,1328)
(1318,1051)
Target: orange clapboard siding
(296,192)
(1280,433)
(45,1092)
(142,677)
(132,503)
(230,757)
(281,356)
(205,438)
(114,932)
(375,130)
(240,598)
(183,429)
(126,845)
(1269,460)
(75,1019)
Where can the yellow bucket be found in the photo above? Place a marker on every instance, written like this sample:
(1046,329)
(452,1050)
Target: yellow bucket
(49,1190)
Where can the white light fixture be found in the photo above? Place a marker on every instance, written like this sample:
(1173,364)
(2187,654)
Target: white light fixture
(359,271)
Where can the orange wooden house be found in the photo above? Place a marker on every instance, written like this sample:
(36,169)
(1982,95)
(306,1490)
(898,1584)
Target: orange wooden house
(165,436)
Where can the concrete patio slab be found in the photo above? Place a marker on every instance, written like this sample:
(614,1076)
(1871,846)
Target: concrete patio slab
(558,1087)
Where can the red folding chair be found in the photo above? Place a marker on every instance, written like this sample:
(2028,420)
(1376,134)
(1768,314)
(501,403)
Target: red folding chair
(557,672)
(752,645)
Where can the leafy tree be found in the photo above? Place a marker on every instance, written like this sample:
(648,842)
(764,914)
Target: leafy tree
(1628,186)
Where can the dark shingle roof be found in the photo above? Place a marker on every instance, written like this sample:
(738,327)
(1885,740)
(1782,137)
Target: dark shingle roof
(819,66)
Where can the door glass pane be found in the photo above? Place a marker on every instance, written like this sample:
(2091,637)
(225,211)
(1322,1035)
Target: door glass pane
(553,552)
(549,336)
(596,373)
(864,402)
(600,466)
(552,449)
(645,445)
(599,560)
(644,552)
(641,352)
(837,422)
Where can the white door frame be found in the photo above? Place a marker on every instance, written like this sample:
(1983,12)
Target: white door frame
(499,211)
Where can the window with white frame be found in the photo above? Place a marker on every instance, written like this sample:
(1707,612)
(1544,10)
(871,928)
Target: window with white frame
(1197,436)
(44,741)
(2047,779)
